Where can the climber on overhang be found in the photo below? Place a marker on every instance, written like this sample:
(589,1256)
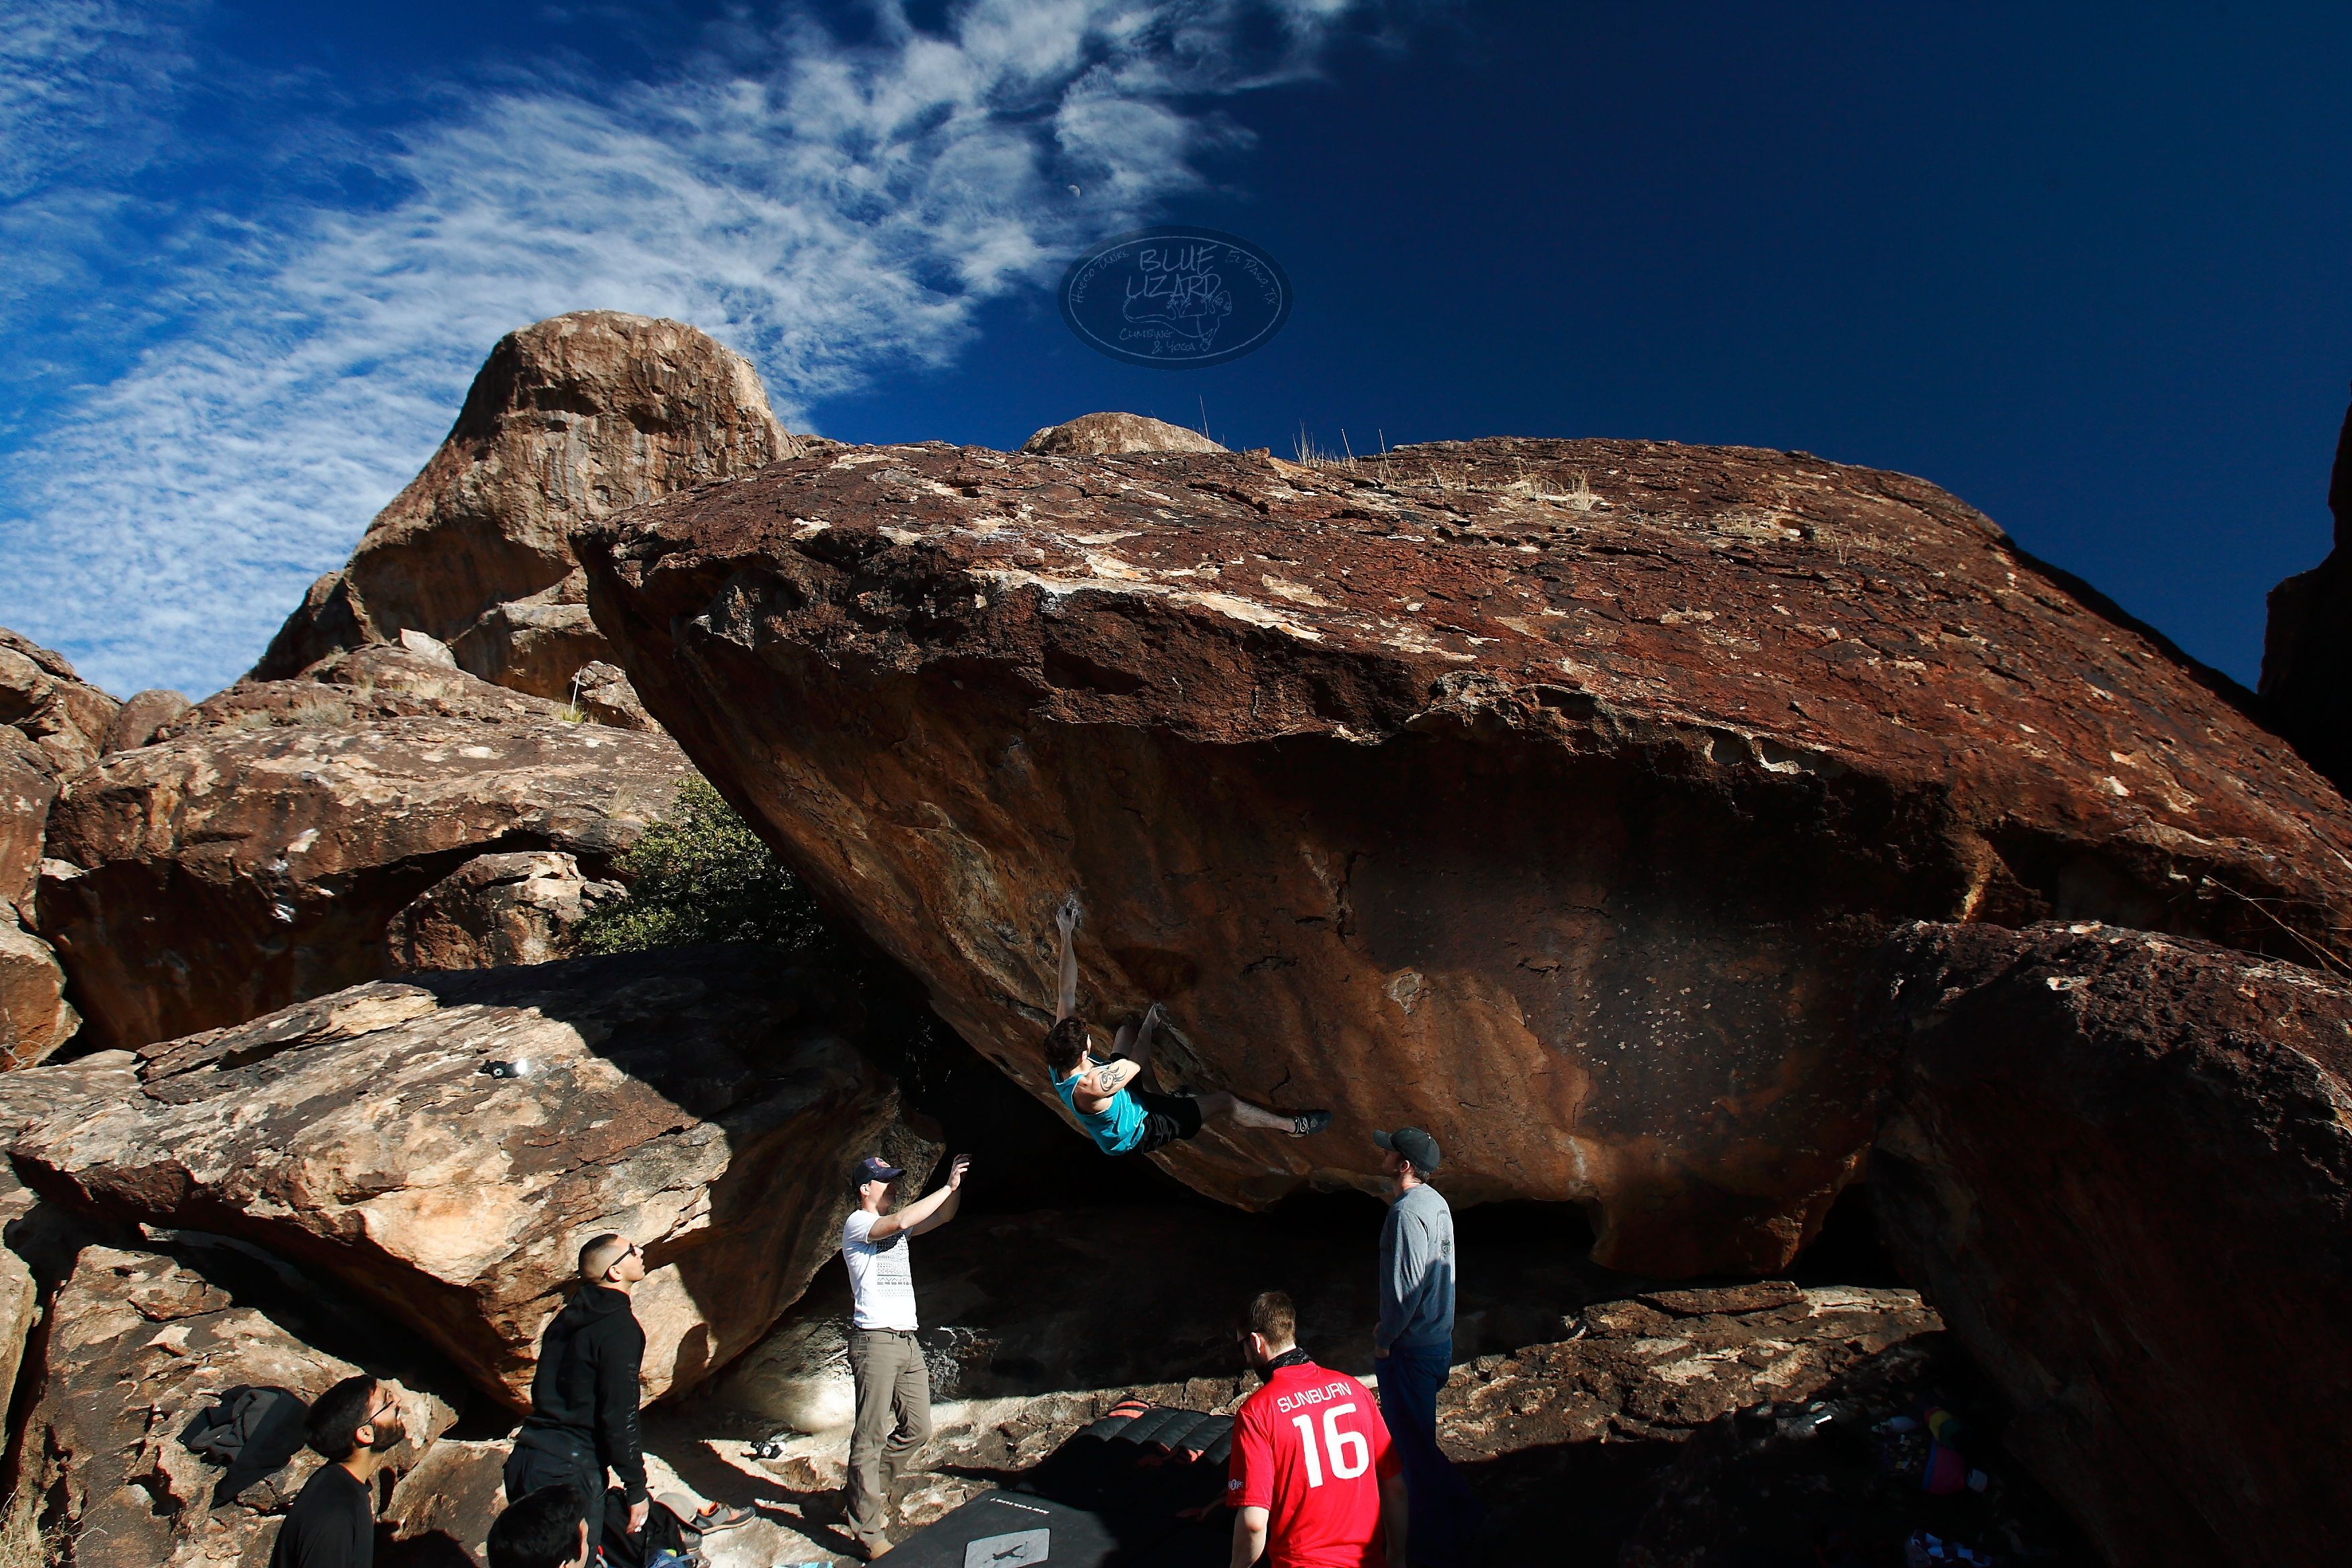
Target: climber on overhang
(1102,1093)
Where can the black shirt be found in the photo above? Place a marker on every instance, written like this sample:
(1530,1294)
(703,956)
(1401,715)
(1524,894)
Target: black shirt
(331,1525)
(585,1387)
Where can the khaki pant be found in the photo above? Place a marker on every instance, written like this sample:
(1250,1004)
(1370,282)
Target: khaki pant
(894,1419)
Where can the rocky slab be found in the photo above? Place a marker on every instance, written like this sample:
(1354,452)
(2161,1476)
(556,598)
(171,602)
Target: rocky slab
(568,419)
(257,853)
(2120,1165)
(703,1101)
(1548,794)
(1637,1370)
(137,1345)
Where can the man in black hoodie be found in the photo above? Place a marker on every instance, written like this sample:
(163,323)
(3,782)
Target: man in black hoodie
(583,1395)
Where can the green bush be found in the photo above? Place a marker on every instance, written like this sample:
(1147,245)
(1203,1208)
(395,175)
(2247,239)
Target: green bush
(702,875)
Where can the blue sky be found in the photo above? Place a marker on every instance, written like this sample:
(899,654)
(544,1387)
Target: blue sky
(2086,266)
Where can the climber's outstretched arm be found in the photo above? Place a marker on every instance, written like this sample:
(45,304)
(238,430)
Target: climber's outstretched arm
(1068,918)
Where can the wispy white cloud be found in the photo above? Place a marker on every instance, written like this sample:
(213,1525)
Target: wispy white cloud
(833,208)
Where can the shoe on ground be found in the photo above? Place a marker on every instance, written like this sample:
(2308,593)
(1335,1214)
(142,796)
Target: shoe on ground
(719,1516)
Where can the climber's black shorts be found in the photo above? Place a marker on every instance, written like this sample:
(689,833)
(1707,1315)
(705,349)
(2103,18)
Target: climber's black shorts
(1166,1118)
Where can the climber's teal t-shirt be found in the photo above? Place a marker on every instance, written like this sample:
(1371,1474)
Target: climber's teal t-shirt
(1116,1128)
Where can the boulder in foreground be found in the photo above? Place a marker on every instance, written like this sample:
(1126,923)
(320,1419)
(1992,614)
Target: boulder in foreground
(705,1102)
(258,852)
(1547,794)
(138,1346)
(2120,1166)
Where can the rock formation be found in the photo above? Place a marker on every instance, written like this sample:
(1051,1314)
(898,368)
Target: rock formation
(20,1302)
(137,1347)
(34,1017)
(568,420)
(495,909)
(258,851)
(41,696)
(1670,1361)
(703,1101)
(51,724)
(1101,434)
(1548,794)
(2308,646)
(456,1491)
(28,783)
(136,721)
(2120,1165)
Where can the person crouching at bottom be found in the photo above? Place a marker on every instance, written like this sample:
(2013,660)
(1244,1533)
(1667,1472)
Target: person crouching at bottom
(1314,1482)
(546,1528)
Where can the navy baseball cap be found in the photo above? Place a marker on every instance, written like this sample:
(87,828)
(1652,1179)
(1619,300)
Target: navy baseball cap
(874,1168)
(1412,1143)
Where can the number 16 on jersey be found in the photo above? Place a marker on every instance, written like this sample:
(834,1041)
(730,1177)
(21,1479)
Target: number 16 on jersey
(1351,1454)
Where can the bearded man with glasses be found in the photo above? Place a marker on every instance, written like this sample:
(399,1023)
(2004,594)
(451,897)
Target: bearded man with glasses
(333,1523)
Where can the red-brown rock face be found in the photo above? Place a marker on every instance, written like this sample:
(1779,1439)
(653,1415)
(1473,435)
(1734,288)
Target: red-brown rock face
(2120,1166)
(257,852)
(2307,644)
(568,420)
(1545,794)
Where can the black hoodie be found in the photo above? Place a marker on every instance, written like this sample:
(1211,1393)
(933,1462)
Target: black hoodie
(586,1385)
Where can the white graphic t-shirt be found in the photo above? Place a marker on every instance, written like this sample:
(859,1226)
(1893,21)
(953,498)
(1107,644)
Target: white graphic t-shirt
(880,1277)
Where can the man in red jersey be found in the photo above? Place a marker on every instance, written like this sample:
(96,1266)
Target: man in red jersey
(1315,1483)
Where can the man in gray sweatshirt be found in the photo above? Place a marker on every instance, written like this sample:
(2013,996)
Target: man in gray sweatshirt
(1414,1344)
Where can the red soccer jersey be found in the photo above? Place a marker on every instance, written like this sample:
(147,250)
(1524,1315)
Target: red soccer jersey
(1311,1450)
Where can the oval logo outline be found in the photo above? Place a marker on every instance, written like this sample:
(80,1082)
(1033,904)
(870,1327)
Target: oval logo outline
(1175,297)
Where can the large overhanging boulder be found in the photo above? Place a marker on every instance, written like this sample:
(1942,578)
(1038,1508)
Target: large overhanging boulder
(568,419)
(2120,1165)
(1547,794)
(259,851)
(707,1102)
